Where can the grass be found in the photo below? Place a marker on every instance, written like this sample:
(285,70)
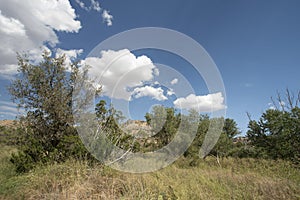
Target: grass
(234,179)
(9,181)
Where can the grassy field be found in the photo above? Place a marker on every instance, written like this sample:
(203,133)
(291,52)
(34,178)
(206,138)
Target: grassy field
(234,179)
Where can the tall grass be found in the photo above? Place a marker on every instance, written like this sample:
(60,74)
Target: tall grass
(232,179)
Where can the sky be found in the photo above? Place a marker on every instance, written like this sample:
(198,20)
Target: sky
(255,46)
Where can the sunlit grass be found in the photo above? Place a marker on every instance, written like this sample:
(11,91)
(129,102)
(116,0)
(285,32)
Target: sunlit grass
(234,179)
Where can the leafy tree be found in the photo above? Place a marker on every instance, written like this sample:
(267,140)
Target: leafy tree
(230,128)
(225,142)
(44,90)
(203,125)
(164,122)
(109,119)
(277,133)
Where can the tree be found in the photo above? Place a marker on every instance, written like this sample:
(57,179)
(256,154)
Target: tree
(224,139)
(230,128)
(277,133)
(109,120)
(164,123)
(44,90)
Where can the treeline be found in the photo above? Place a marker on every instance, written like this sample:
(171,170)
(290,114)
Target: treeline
(48,133)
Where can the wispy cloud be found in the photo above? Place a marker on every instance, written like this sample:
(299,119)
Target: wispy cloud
(95,5)
(107,18)
(248,85)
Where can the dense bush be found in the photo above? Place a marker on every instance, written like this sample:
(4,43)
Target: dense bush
(277,134)
(45,91)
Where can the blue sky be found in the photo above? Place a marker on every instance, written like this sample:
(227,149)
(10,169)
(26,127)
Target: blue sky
(255,44)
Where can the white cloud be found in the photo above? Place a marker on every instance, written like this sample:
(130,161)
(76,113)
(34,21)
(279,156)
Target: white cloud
(57,14)
(120,71)
(71,54)
(170,92)
(94,5)
(174,81)
(156,72)
(107,17)
(206,103)
(11,26)
(155,93)
(81,4)
(29,25)
(8,70)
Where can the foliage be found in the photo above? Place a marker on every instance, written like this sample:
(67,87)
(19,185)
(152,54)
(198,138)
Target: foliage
(277,134)
(164,123)
(10,135)
(44,90)
(109,120)
(224,144)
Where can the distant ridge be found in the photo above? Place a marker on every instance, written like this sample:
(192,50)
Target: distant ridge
(7,123)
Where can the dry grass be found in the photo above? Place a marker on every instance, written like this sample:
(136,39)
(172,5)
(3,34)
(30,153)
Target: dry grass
(235,179)
(75,180)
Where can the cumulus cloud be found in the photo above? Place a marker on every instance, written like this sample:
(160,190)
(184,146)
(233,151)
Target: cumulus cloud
(119,72)
(206,103)
(29,25)
(107,18)
(155,93)
(11,25)
(174,81)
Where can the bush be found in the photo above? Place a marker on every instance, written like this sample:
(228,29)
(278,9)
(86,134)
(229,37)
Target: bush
(34,152)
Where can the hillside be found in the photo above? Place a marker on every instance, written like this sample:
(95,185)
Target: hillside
(7,123)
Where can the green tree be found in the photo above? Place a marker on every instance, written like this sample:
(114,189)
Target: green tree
(276,134)
(109,121)
(44,90)
(224,141)
(164,122)
(230,128)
